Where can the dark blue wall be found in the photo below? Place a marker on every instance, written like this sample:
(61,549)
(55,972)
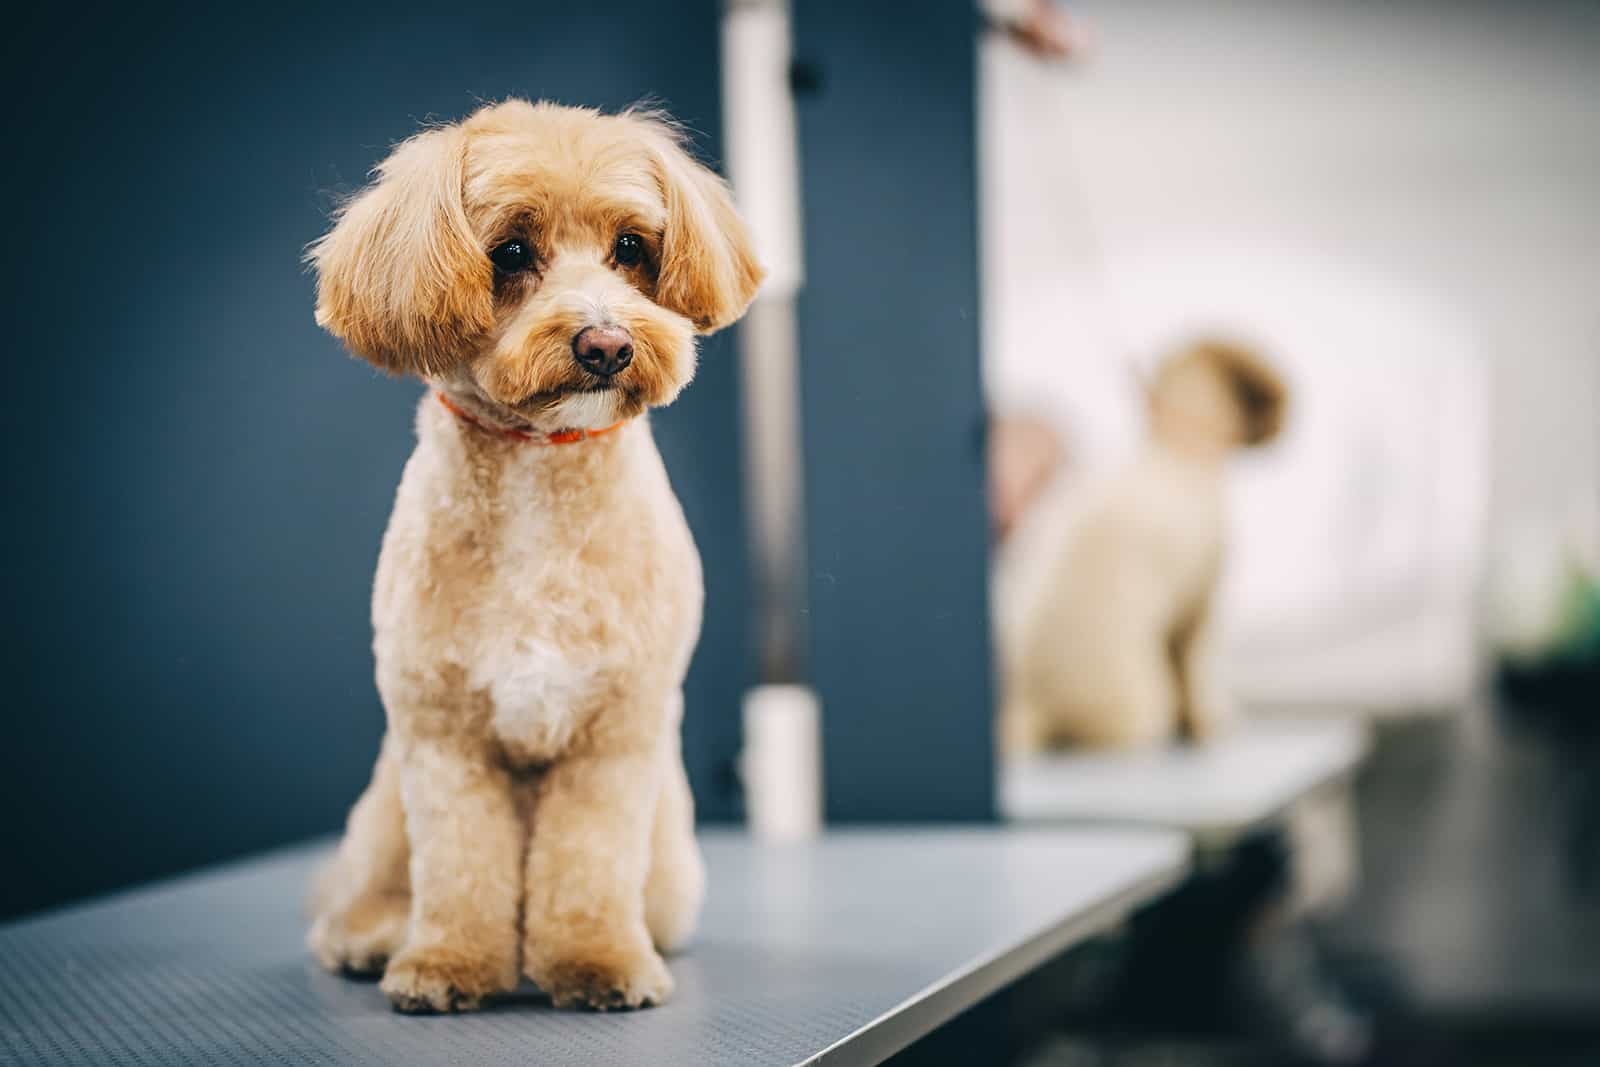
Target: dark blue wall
(892,409)
(196,478)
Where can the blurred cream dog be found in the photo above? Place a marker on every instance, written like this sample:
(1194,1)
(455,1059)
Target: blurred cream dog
(1112,648)
(545,269)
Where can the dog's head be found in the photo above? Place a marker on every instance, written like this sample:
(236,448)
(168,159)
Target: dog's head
(1216,394)
(552,263)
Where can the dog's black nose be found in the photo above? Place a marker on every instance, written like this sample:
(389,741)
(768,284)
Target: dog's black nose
(603,350)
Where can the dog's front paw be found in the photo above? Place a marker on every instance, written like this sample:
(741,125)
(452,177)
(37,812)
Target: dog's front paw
(437,979)
(361,939)
(604,978)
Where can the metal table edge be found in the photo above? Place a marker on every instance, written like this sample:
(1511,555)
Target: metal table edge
(929,1008)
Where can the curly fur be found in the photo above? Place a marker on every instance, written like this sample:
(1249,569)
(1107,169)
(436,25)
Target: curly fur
(535,606)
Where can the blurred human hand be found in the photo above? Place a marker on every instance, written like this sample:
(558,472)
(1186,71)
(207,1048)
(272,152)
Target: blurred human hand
(1045,28)
(1024,455)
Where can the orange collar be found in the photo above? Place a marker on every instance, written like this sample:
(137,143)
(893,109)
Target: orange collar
(559,437)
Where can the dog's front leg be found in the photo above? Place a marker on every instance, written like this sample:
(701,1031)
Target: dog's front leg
(466,844)
(1204,705)
(585,939)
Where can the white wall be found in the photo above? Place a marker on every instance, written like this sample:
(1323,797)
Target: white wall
(1452,149)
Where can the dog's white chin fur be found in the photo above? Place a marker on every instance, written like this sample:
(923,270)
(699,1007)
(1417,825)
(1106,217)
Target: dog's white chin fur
(585,411)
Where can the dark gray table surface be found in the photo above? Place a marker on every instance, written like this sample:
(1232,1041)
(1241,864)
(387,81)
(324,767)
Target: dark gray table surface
(841,951)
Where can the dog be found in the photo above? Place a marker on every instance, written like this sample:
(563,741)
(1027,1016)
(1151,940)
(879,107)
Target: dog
(1112,647)
(546,271)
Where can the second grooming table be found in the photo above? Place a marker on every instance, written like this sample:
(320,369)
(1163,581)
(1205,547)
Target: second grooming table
(1218,792)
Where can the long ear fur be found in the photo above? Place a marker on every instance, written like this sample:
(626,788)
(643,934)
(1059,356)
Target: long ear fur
(400,277)
(709,272)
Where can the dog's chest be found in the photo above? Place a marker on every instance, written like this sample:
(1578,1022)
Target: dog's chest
(547,641)
(503,605)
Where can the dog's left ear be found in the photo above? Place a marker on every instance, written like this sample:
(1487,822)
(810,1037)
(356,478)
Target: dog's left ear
(1261,392)
(709,272)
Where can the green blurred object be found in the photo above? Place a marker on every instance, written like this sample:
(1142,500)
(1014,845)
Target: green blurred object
(1562,675)
(1578,636)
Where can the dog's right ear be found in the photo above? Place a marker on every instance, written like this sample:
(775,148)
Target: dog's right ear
(400,277)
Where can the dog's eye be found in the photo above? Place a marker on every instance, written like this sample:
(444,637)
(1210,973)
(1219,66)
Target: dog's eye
(629,249)
(511,257)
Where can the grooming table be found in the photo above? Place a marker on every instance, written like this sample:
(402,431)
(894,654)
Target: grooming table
(1218,792)
(841,951)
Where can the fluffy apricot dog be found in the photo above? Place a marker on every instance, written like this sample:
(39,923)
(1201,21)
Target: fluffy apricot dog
(545,270)
(1114,648)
